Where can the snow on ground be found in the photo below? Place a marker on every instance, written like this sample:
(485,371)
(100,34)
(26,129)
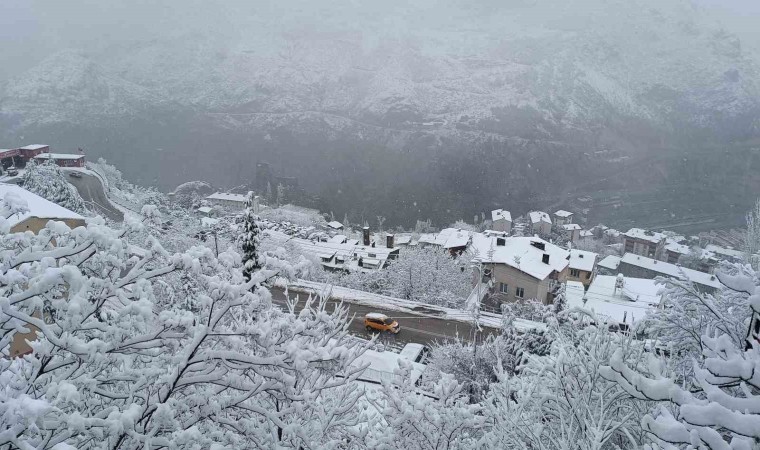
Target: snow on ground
(383,302)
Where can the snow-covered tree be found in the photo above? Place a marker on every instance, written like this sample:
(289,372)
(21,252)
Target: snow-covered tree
(439,420)
(280,195)
(752,237)
(48,181)
(251,240)
(687,314)
(560,401)
(720,408)
(139,348)
(424,274)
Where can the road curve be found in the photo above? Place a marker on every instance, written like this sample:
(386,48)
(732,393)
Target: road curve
(91,189)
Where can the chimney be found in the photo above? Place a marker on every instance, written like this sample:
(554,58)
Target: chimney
(545,258)
(501,242)
(389,240)
(538,245)
(365,235)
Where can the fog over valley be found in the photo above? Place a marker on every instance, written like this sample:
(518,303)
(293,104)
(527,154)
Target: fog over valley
(435,109)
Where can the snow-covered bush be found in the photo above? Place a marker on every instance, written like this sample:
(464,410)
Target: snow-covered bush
(48,181)
(139,348)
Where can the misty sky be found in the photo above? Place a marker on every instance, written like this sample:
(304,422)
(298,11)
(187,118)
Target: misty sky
(31,30)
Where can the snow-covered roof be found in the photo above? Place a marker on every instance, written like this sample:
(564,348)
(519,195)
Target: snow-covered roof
(228,196)
(587,233)
(209,221)
(612,232)
(335,224)
(33,147)
(403,239)
(205,209)
(58,156)
(447,238)
(678,248)
(671,270)
(539,216)
(638,233)
(723,251)
(610,262)
(582,260)
(520,253)
(411,351)
(571,227)
(338,239)
(499,214)
(37,206)
(623,305)
(563,213)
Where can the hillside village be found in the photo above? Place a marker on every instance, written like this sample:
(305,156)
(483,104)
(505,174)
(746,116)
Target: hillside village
(532,258)
(508,285)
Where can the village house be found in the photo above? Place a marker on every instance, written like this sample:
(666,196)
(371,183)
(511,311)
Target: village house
(637,266)
(18,157)
(335,225)
(615,300)
(540,223)
(40,211)
(582,267)
(572,231)
(520,268)
(228,200)
(563,217)
(501,220)
(608,265)
(61,159)
(454,240)
(654,245)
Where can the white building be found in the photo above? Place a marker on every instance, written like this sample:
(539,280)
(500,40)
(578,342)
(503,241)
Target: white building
(615,299)
(572,231)
(228,200)
(540,223)
(501,220)
(563,217)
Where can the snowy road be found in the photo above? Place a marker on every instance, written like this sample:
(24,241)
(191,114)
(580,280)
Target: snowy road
(91,190)
(414,328)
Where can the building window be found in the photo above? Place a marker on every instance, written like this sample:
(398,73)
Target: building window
(519,292)
(575,273)
(504,288)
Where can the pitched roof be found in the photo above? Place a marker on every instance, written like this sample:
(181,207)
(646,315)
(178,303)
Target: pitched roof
(38,206)
(623,305)
(520,253)
(563,213)
(228,197)
(447,238)
(58,156)
(582,260)
(539,216)
(571,227)
(610,262)
(33,147)
(671,270)
(335,224)
(498,214)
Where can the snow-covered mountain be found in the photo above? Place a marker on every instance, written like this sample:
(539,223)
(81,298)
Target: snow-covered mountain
(526,69)
(68,87)
(451,104)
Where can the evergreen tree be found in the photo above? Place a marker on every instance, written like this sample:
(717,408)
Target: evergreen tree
(251,240)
